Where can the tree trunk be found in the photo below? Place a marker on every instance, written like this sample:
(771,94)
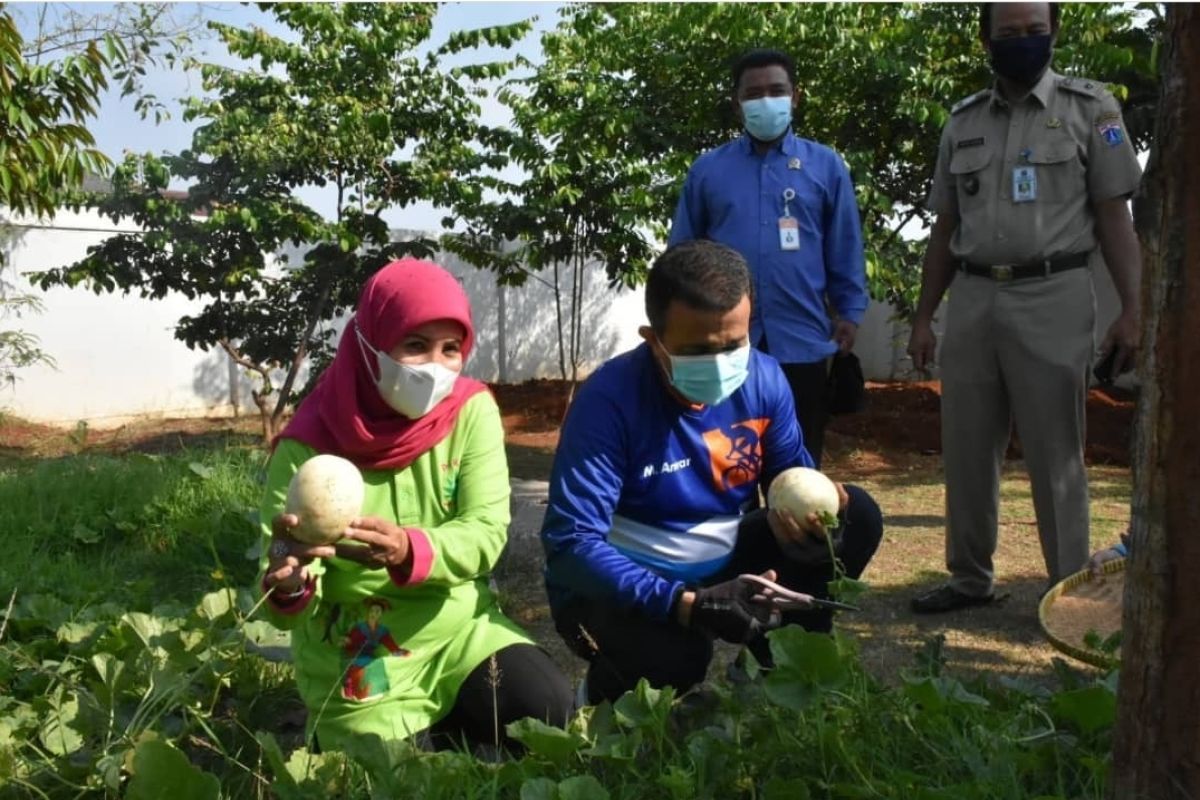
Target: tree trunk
(1156,747)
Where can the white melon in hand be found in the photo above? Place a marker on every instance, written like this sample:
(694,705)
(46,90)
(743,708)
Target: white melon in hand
(803,491)
(325,493)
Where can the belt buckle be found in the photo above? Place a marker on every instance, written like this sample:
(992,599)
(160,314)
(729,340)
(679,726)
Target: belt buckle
(1001,272)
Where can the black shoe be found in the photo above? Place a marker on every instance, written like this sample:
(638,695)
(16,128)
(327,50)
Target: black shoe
(946,598)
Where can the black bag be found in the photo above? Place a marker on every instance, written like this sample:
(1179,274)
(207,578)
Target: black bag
(846,387)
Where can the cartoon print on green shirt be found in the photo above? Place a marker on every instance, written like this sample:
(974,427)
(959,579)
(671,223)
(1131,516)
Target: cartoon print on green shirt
(366,674)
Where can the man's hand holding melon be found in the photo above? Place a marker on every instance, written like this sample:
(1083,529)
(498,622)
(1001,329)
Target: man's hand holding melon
(803,505)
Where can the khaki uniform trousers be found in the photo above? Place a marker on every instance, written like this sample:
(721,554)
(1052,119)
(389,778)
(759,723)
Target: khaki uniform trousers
(1016,351)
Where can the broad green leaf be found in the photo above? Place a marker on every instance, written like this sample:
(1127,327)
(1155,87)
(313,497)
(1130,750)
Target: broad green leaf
(76,632)
(539,789)
(805,664)
(58,733)
(547,741)
(215,605)
(1089,709)
(161,771)
(644,706)
(204,471)
(582,787)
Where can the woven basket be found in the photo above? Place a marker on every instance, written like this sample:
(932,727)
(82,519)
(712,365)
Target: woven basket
(1065,586)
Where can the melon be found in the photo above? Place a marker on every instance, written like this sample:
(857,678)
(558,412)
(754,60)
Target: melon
(326,493)
(803,491)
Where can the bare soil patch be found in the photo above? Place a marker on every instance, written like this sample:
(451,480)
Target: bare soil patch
(901,420)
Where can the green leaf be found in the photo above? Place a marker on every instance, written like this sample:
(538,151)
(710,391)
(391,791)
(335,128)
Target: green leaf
(644,707)
(1089,709)
(83,534)
(539,789)
(582,787)
(161,771)
(202,470)
(547,741)
(76,632)
(935,693)
(215,605)
(58,733)
(811,657)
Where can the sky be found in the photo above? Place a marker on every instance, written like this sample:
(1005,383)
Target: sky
(118,127)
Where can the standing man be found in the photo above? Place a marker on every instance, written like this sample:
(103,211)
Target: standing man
(1030,191)
(787,205)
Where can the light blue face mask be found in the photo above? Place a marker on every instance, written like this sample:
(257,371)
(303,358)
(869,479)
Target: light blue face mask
(766,118)
(712,378)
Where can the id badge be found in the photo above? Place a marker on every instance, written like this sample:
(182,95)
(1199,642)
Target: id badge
(1024,187)
(789,233)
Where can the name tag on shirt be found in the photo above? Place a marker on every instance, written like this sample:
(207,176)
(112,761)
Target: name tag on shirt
(789,233)
(1024,188)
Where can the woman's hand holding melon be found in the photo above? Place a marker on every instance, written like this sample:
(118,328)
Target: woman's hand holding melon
(375,543)
(288,557)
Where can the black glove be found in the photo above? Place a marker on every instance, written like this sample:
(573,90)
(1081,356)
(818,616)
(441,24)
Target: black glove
(726,611)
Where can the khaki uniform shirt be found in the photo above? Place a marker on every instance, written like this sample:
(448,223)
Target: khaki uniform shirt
(1069,133)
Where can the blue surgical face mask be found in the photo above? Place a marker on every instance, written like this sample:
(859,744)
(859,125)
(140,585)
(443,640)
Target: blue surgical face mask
(710,379)
(1021,59)
(767,118)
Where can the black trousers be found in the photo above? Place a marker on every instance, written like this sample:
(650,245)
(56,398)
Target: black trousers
(528,684)
(624,646)
(810,391)
(809,382)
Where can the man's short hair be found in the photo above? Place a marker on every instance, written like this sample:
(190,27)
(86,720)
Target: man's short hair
(754,59)
(985,18)
(701,274)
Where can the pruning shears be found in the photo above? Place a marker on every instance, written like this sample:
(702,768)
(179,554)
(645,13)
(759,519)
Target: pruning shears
(784,599)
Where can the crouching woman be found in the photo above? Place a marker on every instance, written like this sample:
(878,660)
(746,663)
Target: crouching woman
(394,627)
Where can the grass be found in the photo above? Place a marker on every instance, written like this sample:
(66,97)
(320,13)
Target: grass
(949,707)
(132,529)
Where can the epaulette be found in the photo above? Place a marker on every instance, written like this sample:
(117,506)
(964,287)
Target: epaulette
(967,102)
(1083,86)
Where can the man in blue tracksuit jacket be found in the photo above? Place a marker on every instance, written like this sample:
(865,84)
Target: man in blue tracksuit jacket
(658,470)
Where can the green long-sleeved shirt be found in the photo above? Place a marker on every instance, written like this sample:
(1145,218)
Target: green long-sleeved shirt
(397,674)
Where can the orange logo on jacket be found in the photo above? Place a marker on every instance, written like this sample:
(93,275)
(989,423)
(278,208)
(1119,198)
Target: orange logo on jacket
(736,452)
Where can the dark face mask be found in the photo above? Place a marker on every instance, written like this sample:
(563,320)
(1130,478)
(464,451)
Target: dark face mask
(1021,59)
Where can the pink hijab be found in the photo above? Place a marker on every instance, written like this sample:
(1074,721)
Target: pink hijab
(345,414)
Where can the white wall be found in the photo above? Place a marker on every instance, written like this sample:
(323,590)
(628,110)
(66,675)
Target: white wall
(117,357)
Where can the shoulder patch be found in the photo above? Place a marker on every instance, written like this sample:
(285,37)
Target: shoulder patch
(1083,86)
(967,102)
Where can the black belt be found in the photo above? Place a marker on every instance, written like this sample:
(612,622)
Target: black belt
(1035,269)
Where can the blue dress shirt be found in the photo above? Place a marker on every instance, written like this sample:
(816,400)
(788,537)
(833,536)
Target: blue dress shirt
(735,196)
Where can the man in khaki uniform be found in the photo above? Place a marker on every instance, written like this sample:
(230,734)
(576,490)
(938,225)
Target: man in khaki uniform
(1031,188)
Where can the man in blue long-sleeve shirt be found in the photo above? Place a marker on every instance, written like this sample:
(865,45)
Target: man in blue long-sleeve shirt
(787,205)
(660,459)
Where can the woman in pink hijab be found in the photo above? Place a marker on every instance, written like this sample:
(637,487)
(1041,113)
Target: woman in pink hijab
(395,629)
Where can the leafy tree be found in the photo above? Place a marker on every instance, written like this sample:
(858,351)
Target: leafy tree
(44,147)
(345,101)
(629,94)
(46,150)
(578,201)
(141,36)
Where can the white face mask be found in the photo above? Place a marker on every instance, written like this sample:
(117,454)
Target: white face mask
(410,389)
